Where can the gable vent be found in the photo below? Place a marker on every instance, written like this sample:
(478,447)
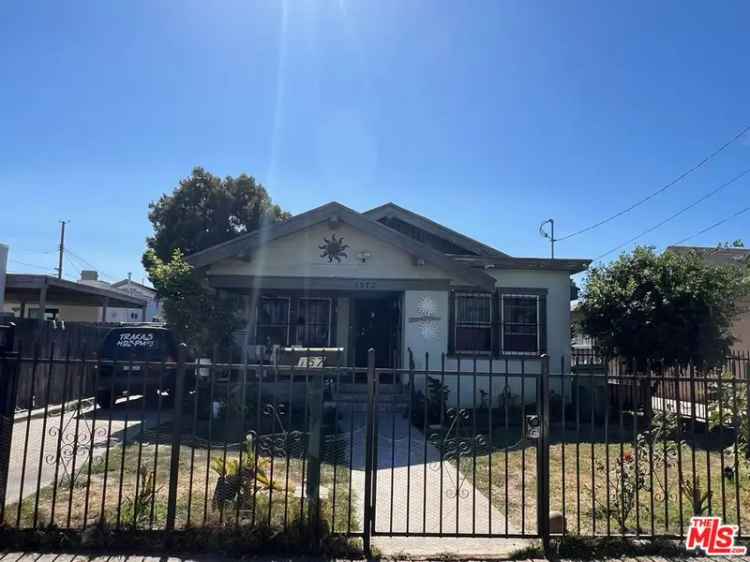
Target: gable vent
(427,238)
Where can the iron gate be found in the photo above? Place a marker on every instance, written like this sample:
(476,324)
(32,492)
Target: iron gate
(454,447)
(447,461)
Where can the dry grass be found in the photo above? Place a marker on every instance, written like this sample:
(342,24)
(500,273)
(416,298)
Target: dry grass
(81,505)
(661,508)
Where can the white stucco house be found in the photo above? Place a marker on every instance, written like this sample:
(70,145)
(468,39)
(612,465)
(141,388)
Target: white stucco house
(152,311)
(395,281)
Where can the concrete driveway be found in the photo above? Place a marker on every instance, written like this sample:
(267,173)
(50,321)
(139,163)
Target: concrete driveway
(38,441)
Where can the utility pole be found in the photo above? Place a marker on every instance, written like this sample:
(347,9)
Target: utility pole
(62,249)
(549,235)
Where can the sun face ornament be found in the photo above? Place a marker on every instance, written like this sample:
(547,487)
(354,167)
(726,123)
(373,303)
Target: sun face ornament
(427,320)
(333,249)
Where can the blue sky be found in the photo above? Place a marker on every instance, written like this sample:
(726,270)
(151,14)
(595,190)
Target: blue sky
(486,116)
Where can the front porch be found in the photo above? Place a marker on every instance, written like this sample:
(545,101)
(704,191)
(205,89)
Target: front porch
(350,322)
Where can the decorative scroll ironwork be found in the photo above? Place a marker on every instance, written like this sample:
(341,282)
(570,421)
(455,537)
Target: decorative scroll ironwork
(279,444)
(453,448)
(75,440)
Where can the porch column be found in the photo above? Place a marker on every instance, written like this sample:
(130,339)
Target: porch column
(43,299)
(105,305)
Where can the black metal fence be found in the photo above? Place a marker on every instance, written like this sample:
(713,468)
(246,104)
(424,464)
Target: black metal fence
(473,447)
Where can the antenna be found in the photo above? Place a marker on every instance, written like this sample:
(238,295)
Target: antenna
(549,235)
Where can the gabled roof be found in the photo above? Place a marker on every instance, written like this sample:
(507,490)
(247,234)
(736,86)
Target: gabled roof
(470,267)
(392,210)
(716,256)
(336,212)
(125,282)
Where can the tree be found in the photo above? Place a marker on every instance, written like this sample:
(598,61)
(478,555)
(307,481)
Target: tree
(205,210)
(202,211)
(199,317)
(669,307)
(734,244)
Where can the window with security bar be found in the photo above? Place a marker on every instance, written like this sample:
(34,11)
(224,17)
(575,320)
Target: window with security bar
(313,322)
(473,323)
(272,326)
(520,322)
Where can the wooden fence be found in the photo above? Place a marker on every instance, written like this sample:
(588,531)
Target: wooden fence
(50,339)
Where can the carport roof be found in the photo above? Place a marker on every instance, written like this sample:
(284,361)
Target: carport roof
(21,287)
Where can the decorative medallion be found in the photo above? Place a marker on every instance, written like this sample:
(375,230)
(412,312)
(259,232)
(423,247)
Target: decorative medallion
(427,320)
(333,249)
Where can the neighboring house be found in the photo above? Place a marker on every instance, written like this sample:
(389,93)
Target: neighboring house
(739,257)
(395,281)
(152,312)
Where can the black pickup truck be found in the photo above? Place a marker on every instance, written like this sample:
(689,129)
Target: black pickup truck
(134,358)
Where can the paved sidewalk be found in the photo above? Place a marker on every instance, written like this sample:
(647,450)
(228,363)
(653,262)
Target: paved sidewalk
(52,557)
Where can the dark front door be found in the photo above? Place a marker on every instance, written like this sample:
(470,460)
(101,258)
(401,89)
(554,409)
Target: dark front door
(376,326)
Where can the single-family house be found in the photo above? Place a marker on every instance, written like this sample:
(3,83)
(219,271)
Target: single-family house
(395,281)
(152,311)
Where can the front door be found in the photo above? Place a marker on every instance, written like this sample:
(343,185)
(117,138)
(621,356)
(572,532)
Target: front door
(375,324)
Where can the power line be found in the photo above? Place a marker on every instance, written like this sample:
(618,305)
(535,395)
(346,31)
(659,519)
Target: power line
(677,214)
(27,251)
(76,263)
(87,263)
(714,225)
(31,265)
(661,189)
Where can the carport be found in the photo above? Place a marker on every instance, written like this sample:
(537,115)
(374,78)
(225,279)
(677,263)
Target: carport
(26,289)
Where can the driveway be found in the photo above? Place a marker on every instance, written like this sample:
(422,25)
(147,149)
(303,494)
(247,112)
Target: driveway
(38,442)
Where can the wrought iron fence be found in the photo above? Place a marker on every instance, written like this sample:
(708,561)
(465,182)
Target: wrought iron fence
(639,452)
(451,446)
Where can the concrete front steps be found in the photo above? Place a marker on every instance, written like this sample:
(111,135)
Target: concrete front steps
(392,398)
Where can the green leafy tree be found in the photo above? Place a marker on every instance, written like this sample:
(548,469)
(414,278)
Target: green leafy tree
(672,308)
(205,210)
(734,244)
(202,318)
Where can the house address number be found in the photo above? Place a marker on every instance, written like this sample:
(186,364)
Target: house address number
(365,285)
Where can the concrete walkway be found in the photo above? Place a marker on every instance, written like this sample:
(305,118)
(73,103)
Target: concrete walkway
(416,493)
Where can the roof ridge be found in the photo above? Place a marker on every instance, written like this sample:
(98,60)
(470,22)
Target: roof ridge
(441,227)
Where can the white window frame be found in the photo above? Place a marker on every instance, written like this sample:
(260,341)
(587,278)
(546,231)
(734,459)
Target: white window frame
(330,317)
(504,351)
(288,316)
(456,322)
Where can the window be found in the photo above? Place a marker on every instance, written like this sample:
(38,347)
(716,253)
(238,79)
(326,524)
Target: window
(473,323)
(303,321)
(521,324)
(272,327)
(313,323)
